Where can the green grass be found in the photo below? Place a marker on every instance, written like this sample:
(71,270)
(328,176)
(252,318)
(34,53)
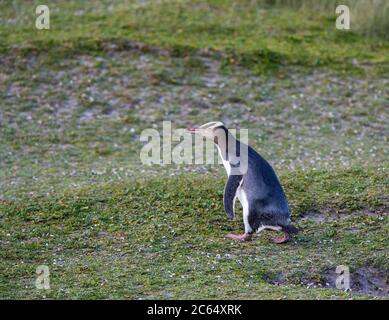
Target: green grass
(165,239)
(252,35)
(367,17)
(74,195)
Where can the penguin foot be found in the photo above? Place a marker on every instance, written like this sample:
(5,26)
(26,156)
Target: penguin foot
(283,239)
(242,237)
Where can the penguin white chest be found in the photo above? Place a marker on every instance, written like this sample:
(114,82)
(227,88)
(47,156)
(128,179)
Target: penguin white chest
(226,163)
(241,195)
(227,166)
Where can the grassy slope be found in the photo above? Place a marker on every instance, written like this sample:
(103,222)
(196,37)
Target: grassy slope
(142,237)
(245,33)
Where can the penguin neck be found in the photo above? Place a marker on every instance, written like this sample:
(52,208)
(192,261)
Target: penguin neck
(228,147)
(226,164)
(227,154)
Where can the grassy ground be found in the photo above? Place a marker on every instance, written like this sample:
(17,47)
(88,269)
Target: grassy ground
(165,239)
(74,195)
(241,31)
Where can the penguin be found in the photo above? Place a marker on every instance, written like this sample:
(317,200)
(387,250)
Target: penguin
(251,180)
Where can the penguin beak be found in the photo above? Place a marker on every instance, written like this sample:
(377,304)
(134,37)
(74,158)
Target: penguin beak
(192,130)
(199,131)
(206,130)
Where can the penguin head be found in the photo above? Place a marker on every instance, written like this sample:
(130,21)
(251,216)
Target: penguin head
(210,130)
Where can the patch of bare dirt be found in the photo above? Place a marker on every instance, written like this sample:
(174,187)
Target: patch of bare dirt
(366,280)
(321,217)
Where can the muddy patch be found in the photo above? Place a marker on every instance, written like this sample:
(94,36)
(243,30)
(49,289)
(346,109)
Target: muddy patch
(365,280)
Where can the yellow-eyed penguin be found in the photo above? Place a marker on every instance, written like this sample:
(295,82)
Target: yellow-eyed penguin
(253,181)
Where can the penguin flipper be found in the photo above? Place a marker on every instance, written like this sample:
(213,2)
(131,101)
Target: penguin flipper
(230,189)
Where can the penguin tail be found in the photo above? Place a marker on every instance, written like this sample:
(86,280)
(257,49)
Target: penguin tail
(290,228)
